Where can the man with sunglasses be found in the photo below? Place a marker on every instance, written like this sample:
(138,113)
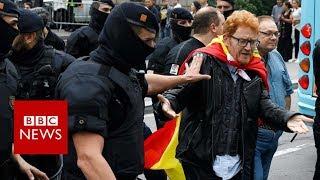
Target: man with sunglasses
(226,7)
(218,126)
(84,40)
(280,89)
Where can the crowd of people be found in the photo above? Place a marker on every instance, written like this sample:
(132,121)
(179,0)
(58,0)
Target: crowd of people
(219,67)
(287,16)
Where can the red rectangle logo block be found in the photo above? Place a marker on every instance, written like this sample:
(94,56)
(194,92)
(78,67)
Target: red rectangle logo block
(40,127)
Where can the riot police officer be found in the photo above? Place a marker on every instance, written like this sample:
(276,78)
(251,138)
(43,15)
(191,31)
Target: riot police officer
(85,39)
(38,65)
(38,68)
(181,25)
(8,81)
(50,38)
(106,122)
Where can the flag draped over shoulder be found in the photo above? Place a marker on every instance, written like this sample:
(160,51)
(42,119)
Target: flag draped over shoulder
(218,49)
(160,147)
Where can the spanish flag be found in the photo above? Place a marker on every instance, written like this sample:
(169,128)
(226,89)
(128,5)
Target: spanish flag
(160,150)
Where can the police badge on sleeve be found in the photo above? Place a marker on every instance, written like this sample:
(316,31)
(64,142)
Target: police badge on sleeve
(174,69)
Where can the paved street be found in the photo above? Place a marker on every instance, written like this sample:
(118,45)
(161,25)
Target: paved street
(296,160)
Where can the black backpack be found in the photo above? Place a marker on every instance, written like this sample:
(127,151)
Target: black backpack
(39,84)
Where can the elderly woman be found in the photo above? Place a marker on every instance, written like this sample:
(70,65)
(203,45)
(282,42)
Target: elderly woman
(220,119)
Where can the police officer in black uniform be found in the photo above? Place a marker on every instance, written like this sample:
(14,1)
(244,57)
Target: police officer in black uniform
(207,25)
(105,96)
(38,68)
(180,21)
(85,39)
(50,38)
(38,65)
(8,81)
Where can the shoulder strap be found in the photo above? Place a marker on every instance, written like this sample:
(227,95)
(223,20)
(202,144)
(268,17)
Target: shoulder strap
(84,58)
(47,57)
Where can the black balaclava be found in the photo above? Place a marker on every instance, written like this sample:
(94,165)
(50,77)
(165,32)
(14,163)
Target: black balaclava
(180,33)
(7,32)
(29,22)
(119,46)
(226,14)
(98,18)
(28,57)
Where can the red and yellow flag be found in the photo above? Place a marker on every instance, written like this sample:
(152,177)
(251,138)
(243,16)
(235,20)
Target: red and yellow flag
(160,147)
(160,150)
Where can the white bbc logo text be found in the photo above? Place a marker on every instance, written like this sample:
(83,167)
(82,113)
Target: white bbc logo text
(40,120)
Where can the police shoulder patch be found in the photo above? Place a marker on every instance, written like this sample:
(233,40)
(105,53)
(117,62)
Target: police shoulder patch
(150,72)
(143,18)
(174,69)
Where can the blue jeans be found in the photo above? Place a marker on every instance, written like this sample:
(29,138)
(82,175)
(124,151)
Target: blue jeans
(266,146)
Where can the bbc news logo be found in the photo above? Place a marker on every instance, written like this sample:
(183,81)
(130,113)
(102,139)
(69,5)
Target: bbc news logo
(40,121)
(40,127)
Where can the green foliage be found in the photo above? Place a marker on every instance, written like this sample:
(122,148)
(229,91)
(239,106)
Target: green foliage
(258,7)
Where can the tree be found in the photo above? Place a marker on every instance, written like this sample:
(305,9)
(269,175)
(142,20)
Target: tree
(258,7)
